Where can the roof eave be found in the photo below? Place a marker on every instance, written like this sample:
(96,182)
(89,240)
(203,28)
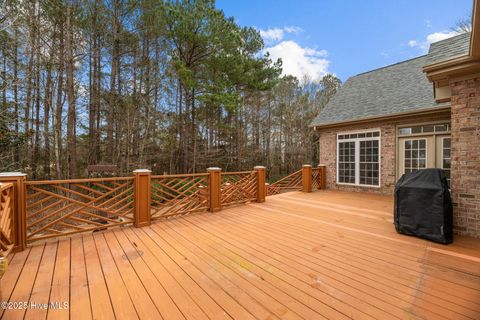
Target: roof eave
(393,116)
(460,65)
(457,66)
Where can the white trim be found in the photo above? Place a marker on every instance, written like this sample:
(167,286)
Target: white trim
(357,162)
(357,156)
(423,124)
(442,157)
(441,153)
(359,185)
(359,131)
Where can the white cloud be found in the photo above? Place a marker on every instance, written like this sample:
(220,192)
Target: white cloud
(428,23)
(272,34)
(439,36)
(431,38)
(413,43)
(277,34)
(299,61)
(293,29)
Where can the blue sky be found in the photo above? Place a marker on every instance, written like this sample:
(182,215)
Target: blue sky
(346,37)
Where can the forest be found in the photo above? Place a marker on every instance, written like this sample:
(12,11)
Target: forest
(172,86)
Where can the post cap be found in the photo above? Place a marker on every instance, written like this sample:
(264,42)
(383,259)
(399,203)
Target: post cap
(322,165)
(259,167)
(12,174)
(214,169)
(307,165)
(142,171)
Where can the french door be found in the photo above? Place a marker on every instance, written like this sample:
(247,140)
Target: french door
(421,152)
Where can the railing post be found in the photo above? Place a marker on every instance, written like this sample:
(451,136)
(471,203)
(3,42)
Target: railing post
(20,215)
(322,176)
(214,192)
(142,198)
(307,178)
(260,183)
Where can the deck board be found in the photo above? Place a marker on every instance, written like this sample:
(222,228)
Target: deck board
(320,255)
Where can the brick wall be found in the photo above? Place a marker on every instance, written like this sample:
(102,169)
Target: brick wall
(388,163)
(328,156)
(466,155)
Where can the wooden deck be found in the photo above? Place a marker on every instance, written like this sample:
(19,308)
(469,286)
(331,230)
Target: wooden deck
(320,255)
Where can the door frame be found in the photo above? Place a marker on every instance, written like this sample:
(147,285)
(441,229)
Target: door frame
(399,137)
(429,154)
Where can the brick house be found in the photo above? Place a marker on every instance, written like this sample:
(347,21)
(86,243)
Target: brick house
(419,113)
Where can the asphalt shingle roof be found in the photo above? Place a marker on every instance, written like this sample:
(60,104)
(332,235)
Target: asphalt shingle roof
(398,88)
(449,48)
(394,89)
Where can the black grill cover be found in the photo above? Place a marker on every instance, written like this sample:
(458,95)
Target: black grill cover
(423,206)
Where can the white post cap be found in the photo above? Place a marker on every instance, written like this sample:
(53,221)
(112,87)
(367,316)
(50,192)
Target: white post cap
(12,174)
(142,171)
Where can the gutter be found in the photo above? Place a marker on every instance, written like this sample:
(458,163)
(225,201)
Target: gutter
(393,116)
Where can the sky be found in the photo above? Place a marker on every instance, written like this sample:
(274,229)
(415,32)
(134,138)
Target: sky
(346,37)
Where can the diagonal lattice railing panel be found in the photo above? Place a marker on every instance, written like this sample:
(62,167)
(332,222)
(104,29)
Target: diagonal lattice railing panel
(238,187)
(63,207)
(6,218)
(292,182)
(317,178)
(174,195)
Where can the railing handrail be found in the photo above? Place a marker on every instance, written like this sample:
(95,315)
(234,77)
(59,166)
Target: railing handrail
(68,181)
(180,175)
(237,172)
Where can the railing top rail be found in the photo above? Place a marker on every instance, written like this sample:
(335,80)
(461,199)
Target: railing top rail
(78,180)
(183,175)
(237,172)
(4,186)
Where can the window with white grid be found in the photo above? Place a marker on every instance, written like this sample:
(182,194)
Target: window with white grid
(358,158)
(415,154)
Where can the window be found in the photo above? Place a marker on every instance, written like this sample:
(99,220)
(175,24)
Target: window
(358,158)
(430,128)
(415,155)
(369,168)
(446,145)
(346,162)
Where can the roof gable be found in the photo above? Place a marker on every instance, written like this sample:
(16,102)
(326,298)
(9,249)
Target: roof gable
(449,48)
(398,88)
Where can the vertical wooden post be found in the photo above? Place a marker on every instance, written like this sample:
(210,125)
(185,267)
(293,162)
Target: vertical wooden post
(260,183)
(322,176)
(214,192)
(142,198)
(19,222)
(307,178)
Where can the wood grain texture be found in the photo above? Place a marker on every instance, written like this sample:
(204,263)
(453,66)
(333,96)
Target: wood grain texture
(320,255)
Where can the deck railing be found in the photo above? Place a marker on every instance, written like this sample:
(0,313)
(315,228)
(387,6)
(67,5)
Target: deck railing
(238,187)
(37,210)
(179,194)
(6,218)
(63,207)
(305,179)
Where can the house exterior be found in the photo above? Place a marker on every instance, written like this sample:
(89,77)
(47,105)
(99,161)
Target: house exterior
(419,113)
